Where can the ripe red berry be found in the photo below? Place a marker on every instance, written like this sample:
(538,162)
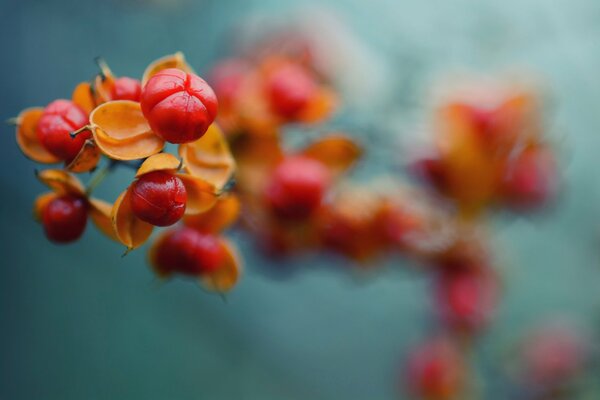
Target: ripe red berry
(297,187)
(60,118)
(179,106)
(65,218)
(466,298)
(158,198)
(189,252)
(529,180)
(432,171)
(290,88)
(227,78)
(126,89)
(435,371)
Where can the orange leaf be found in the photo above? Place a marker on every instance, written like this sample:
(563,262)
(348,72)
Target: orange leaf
(121,131)
(129,229)
(103,83)
(40,204)
(27,138)
(209,158)
(100,212)
(87,158)
(335,151)
(200,194)
(84,97)
(320,106)
(61,182)
(158,162)
(226,276)
(224,213)
(176,60)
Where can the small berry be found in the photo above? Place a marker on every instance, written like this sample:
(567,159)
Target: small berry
(530,180)
(466,298)
(126,88)
(297,187)
(435,371)
(227,78)
(60,118)
(65,218)
(188,252)
(179,106)
(290,88)
(159,198)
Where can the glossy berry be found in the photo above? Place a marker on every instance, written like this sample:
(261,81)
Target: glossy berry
(126,88)
(188,252)
(290,88)
(435,371)
(297,187)
(64,218)
(179,106)
(466,298)
(529,180)
(60,118)
(158,198)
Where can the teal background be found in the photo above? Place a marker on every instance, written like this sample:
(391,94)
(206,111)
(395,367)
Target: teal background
(80,322)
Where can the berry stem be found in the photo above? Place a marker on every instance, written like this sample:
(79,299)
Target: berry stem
(78,131)
(100,175)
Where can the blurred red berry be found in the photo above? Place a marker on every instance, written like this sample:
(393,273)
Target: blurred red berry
(466,298)
(553,356)
(179,106)
(530,180)
(435,370)
(290,88)
(159,198)
(297,187)
(431,170)
(60,118)
(226,79)
(64,218)
(189,252)
(126,88)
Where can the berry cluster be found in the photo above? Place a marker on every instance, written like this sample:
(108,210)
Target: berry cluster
(129,122)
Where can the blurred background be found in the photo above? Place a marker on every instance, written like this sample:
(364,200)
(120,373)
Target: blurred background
(79,321)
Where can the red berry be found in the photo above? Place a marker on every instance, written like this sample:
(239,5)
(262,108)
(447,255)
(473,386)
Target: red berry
(290,88)
(64,218)
(435,371)
(189,252)
(126,89)
(553,356)
(529,180)
(179,106)
(60,118)
(432,171)
(466,298)
(297,187)
(227,78)
(158,198)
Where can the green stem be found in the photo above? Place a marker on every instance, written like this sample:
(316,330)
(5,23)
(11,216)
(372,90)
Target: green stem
(99,177)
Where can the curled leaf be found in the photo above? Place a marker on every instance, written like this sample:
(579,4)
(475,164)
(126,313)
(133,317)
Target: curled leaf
(224,213)
(200,194)
(87,158)
(61,182)
(100,213)
(129,229)
(40,204)
(336,152)
(158,162)
(103,83)
(27,138)
(83,96)
(176,60)
(121,131)
(227,275)
(209,158)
